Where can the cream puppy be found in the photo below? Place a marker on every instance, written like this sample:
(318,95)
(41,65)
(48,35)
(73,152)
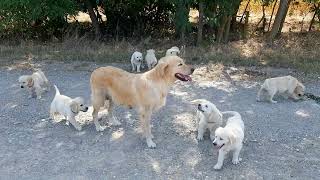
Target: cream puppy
(35,83)
(67,107)
(136,61)
(173,51)
(229,138)
(151,58)
(208,116)
(286,86)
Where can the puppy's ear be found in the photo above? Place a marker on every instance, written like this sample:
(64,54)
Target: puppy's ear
(197,101)
(232,138)
(30,82)
(74,107)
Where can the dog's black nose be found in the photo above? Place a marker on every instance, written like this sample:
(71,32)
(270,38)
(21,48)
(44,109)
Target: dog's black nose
(214,144)
(21,86)
(87,108)
(192,70)
(199,105)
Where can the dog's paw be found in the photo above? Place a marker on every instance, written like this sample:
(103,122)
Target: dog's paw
(274,102)
(258,99)
(217,167)
(151,144)
(236,161)
(200,138)
(101,128)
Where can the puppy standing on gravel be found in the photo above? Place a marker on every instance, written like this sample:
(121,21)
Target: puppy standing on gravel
(35,83)
(173,51)
(286,86)
(151,58)
(136,61)
(67,107)
(229,138)
(208,116)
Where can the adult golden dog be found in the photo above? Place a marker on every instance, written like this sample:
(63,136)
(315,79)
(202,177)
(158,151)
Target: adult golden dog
(145,92)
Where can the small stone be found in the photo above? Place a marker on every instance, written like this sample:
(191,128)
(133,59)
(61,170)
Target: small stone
(297,150)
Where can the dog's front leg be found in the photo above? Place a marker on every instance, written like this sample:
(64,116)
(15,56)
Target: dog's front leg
(133,66)
(220,160)
(201,129)
(73,121)
(138,67)
(235,157)
(145,118)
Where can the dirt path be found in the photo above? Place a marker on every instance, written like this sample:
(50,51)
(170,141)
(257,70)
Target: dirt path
(282,141)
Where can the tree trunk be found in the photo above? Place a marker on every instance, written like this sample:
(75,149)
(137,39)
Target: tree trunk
(312,20)
(275,3)
(279,20)
(200,23)
(244,11)
(94,20)
(227,29)
(221,28)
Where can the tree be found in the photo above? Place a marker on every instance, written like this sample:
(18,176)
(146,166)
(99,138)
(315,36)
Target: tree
(200,21)
(279,19)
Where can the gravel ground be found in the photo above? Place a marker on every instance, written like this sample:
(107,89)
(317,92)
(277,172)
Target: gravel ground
(282,141)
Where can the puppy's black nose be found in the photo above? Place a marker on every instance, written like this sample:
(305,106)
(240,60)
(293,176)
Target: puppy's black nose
(214,144)
(192,70)
(21,86)
(199,105)
(87,108)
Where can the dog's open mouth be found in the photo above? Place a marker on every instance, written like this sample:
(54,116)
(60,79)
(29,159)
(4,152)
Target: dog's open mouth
(219,147)
(183,77)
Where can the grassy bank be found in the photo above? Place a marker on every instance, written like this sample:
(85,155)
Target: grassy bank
(298,51)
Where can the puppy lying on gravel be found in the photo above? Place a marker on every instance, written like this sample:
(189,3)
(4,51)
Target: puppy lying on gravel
(286,86)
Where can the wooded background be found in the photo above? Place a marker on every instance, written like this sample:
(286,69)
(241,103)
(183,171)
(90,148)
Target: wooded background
(219,21)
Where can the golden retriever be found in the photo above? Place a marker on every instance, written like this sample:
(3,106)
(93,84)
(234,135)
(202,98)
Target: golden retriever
(145,92)
(286,86)
(208,116)
(35,83)
(229,138)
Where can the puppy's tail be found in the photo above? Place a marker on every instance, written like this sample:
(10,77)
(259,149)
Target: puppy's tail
(233,113)
(57,90)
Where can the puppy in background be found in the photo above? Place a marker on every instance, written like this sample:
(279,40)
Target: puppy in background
(67,107)
(136,61)
(229,138)
(208,116)
(173,51)
(151,58)
(287,86)
(35,83)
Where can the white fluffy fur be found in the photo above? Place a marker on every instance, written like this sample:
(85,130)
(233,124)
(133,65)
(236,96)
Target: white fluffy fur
(173,51)
(286,86)
(151,58)
(67,107)
(229,138)
(208,116)
(35,83)
(136,61)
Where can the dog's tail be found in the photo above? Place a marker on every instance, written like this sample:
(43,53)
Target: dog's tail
(57,90)
(233,113)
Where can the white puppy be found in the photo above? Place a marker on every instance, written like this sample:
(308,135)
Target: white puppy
(286,86)
(35,83)
(151,58)
(67,107)
(229,138)
(208,116)
(173,51)
(136,61)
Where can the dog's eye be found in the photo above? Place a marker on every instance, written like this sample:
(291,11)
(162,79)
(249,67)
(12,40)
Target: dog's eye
(221,139)
(206,106)
(81,104)
(180,64)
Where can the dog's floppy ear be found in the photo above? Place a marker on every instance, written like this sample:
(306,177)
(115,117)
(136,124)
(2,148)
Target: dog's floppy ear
(74,107)
(232,137)
(162,68)
(30,82)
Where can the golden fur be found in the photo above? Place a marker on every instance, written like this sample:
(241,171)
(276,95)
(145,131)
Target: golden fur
(145,92)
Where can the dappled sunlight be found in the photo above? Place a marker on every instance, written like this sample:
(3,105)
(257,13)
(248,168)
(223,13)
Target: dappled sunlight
(191,157)
(156,166)
(185,121)
(302,113)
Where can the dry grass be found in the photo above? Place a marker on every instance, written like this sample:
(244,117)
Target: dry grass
(297,51)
